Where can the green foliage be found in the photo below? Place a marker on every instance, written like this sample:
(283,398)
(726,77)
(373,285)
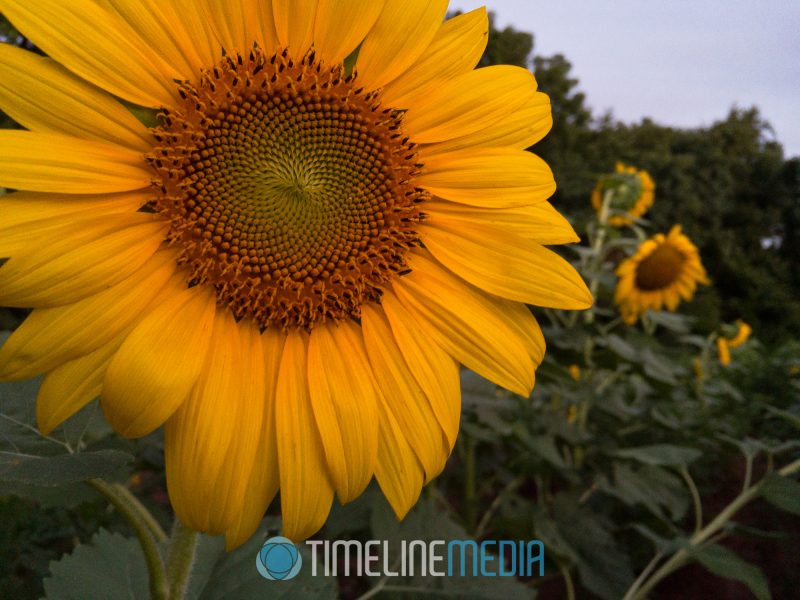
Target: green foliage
(109,568)
(721,561)
(782,492)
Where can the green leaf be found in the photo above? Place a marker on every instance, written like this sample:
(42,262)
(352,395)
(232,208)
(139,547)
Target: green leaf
(672,321)
(785,415)
(109,568)
(658,367)
(651,486)
(60,469)
(663,545)
(18,430)
(725,563)
(622,348)
(660,455)
(603,566)
(782,492)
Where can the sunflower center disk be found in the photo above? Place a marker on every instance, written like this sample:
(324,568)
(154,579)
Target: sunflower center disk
(660,269)
(288,189)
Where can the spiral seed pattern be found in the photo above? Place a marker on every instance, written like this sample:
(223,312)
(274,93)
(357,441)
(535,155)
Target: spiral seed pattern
(288,188)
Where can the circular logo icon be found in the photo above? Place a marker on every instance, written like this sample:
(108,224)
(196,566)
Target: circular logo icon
(278,559)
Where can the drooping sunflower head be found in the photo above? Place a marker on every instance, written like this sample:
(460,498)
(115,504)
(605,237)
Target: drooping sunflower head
(630,193)
(724,351)
(664,270)
(732,336)
(334,211)
(738,333)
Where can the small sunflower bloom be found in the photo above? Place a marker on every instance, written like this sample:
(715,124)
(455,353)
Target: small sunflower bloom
(574,372)
(288,269)
(664,270)
(632,194)
(724,351)
(743,333)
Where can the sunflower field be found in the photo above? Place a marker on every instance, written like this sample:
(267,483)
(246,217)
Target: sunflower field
(653,450)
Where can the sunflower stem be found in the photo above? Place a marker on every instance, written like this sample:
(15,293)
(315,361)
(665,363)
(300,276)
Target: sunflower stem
(702,538)
(180,559)
(147,530)
(598,250)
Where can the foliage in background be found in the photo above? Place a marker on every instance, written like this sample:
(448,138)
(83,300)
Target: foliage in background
(638,452)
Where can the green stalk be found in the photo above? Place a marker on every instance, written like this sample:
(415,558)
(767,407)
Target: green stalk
(682,556)
(598,249)
(180,559)
(147,530)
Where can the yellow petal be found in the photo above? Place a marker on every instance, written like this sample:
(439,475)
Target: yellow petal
(506,265)
(492,177)
(264,479)
(402,397)
(159,362)
(162,27)
(62,272)
(43,162)
(241,23)
(401,35)
(342,392)
(70,387)
(198,27)
(210,442)
(341,26)
(468,103)
(49,239)
(517,129)
(467,324)
(397,470)
(42,96)
(294,24)
(436,372)
(94,44)
(52,336)
(456,48)
(306,490)
(540,221)
(24,208)
(24,230)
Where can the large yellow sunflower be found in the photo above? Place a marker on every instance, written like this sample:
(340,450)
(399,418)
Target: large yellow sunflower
(664,269)
(288,270)
(632,194)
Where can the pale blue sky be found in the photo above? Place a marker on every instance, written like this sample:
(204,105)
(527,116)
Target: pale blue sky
(681,62)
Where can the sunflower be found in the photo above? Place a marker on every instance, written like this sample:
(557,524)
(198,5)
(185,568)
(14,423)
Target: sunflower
(724,351)
(664,269)
(741,335)
(333,211)
(737,335)
(632,194)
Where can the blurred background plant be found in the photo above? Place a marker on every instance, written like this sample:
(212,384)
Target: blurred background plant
(655,460)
